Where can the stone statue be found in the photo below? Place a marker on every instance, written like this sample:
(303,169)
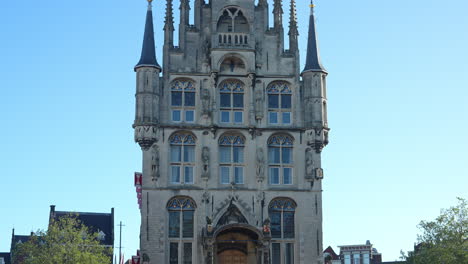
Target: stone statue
(258,104)
(260,164)
(213,79)
(250,80)
(206,101)
(309,164)
(154,162)
(206,162)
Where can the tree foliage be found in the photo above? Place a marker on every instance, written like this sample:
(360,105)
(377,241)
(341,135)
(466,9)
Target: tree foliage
(444,240)
(67,241)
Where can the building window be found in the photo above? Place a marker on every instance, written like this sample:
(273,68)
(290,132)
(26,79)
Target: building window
(279,103)
(181,229)
(182,158)
(231,102)
(280,159)
(281,212)
(231,159)
(183,101)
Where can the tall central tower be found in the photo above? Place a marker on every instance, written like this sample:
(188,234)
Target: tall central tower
(231,136)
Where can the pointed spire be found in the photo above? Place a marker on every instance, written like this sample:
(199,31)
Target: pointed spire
(313,56)
(278,13)
(169,19)
(293,19)
(148,52)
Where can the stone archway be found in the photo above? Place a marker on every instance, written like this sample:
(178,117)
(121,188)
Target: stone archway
(238,244)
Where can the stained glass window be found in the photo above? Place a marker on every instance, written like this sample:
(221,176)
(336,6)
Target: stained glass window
(231,159)
(182,158)
(280,159)
(181,229)
(279,103)
(183,100)
(231,102)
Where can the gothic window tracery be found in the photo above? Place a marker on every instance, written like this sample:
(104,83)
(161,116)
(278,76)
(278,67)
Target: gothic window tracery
(181,229)
(182,158)
(281,212)
(280,159)
(279,103)
(231,102)
(183,100)
(231,159)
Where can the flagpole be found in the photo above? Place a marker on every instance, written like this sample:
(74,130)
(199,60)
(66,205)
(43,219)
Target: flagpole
(120,242)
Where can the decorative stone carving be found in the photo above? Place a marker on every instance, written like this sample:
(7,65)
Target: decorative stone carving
(213,79)
(206,163)
(206,197)
(259,98)
(250,80)
(155,162)
(206,102)
(309,164)
(232,216)
(260,165)
(145,136)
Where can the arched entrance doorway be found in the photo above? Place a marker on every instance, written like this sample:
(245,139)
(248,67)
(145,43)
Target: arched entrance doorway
(237,244)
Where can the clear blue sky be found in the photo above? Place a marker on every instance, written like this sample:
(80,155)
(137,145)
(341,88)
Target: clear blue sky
(398,105)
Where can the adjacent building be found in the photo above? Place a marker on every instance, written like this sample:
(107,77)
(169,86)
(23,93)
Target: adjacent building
(231,135)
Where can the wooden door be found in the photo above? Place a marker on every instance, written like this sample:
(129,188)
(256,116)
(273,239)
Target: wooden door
(232,257)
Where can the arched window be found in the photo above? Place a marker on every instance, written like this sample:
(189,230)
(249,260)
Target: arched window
(231,159)
(183,101)
(279,103)
(281,212)
(182,158)
(232,102)
(280,159)
(181,229)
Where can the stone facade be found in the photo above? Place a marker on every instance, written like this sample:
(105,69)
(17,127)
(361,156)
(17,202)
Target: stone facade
(231,137)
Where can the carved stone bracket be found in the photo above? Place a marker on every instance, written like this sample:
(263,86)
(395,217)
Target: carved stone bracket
(145,136)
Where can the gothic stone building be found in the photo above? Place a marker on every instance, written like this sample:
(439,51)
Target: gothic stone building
(231,135)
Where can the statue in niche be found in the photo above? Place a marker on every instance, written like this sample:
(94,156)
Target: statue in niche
(213,79)
(206,101)
(206,162)
(260,164)
(154,162)
(258,104)
(250,80)
(310,166)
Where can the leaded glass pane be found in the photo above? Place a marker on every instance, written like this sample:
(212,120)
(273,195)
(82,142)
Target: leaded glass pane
(288,221)
(289,254)
(239,175)
(175,174)
(275,218)
(273,155)
(189,116)
(224,175)
(274,176)
(225,116)
(174,224)
(238,117)
(187,228)
(174,253)
(225,100)
(287,175)
(286,155)
(238,153)
(276,253)
(176,153)
(273,117)
(176,98)
(285,101)
(238,100)
(176,115)
(188,174)
(225,154)
(287,118)
(189,153)
(189,99)
(273,101)
(187,253)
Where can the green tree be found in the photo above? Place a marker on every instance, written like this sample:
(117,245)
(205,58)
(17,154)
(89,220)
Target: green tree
(66,241)
(444,240)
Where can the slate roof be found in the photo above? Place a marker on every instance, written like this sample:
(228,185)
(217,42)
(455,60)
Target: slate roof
(6,257)
(148,51)
(313,62)
(95,221)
